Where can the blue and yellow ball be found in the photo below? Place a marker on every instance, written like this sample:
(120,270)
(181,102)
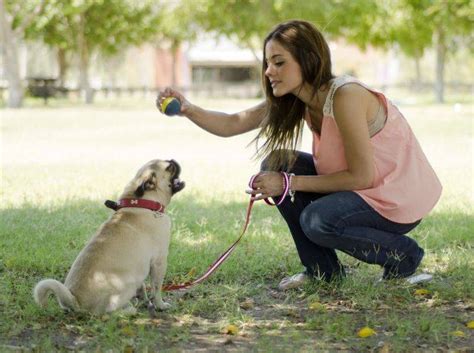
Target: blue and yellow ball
(171,106)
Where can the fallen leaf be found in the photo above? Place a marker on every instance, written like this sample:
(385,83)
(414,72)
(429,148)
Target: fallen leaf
(422,291)
(231,330)
(317,306)
(365,332)
(470,324)
(458,333)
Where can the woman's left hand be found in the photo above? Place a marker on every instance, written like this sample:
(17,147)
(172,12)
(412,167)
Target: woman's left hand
(267,184)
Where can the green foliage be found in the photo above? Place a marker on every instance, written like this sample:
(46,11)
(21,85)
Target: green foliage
(247,20)
(107,26)
(111,25)
(414,23)
(20,10)
(178,23)
(454,19)
(409,27)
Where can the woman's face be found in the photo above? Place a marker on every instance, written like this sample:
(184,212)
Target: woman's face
(283,72)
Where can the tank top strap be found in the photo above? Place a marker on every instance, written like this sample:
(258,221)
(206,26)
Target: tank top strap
(338,82)
(341,81)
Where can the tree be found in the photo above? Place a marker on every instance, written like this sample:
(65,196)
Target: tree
(451,23)
(414,25)
(410,30)
(177,26)
(88,26)
(246,21)
(15,17)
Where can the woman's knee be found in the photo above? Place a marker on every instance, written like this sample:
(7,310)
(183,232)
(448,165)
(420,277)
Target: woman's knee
(315,226)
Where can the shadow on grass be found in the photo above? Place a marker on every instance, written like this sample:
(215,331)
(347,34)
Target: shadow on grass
(46,240)
(43,242)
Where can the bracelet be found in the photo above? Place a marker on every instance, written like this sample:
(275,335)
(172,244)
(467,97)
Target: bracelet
(290,191)
(286,189)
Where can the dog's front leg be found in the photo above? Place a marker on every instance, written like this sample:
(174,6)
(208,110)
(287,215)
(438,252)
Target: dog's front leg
(157,272)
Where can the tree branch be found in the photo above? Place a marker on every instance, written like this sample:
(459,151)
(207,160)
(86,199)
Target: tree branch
(28,19)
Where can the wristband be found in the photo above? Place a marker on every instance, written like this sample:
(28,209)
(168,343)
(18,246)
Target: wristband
(290,191)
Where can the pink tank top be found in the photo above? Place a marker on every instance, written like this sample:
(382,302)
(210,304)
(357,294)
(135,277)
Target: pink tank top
(405,187)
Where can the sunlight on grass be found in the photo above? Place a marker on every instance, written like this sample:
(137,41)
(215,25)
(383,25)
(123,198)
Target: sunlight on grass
(59,166)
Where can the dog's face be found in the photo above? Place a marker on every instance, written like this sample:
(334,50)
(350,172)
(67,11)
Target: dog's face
(157,175)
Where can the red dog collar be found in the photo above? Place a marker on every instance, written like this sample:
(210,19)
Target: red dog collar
(137,203)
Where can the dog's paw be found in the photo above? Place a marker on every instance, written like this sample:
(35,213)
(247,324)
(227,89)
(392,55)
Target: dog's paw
(151,310)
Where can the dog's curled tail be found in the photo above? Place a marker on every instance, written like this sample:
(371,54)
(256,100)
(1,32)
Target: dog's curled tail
(65,298)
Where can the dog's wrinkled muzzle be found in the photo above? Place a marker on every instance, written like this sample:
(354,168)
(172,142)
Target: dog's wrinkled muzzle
(176,183)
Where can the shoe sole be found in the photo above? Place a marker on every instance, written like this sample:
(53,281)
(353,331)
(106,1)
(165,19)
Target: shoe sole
(413,279)
(421,278)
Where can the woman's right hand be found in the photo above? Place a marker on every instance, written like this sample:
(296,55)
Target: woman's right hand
(169,92)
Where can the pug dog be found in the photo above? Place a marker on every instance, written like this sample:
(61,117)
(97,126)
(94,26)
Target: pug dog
(132,244)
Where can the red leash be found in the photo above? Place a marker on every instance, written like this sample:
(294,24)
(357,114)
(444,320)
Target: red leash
(216,264)
(226,254)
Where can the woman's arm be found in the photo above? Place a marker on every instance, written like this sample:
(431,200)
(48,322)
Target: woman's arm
(351,103)
(226,125)
(218,123)
(350,111)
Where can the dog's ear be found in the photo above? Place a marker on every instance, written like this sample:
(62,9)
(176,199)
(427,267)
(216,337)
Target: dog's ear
(145,184)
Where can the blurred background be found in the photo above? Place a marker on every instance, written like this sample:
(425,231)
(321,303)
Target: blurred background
(417,51)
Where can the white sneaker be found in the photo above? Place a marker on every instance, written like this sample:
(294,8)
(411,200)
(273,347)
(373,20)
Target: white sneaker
(413,279)
(294,281)
(421,278)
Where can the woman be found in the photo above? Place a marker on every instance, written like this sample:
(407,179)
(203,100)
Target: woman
(367,182)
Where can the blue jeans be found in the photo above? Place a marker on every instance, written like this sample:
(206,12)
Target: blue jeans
(323,223)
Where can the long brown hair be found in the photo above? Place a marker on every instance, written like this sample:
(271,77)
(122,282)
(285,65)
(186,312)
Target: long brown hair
(283,124)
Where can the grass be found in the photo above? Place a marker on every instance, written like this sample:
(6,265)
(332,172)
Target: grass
(59,165)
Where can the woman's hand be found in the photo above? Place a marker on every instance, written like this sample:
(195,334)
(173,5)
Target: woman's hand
(267,184)
(169,92)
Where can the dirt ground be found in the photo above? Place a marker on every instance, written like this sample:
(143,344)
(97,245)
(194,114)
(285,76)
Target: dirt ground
(273,324)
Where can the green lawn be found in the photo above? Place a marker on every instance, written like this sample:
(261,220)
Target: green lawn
(59,164)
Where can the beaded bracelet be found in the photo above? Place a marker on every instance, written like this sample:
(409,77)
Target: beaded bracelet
(286,189)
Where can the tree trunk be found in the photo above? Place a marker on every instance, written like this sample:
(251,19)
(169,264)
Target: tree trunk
(440,61)
(174,50)
(418,79)
(12,72)
(84,56)
(63,66)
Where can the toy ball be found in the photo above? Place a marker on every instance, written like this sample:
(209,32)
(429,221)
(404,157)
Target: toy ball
(171,106)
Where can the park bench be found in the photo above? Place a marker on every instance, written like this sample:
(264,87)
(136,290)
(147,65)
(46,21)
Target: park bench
(43,87)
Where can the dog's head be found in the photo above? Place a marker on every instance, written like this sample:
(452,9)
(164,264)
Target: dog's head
(156,178)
